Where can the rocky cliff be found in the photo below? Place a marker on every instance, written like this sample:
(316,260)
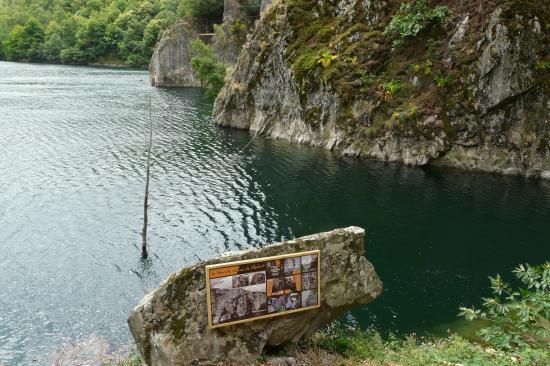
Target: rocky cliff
(170,65)
(469,91)
(171,61)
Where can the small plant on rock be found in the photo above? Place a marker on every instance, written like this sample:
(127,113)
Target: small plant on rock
(412,17)
(413,69)
(442,80)
(237,27)
(428,67)
(391,87)
(365,78)
(352,59)
(409,113)
(326,59)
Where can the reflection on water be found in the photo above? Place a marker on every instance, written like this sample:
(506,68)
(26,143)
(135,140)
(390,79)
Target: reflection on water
(72,160)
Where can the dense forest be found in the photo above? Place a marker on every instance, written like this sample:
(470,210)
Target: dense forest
(92,31)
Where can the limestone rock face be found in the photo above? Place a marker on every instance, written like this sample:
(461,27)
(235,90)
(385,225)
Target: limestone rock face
(170,324)
(170,64)
(470,93)
(239,17)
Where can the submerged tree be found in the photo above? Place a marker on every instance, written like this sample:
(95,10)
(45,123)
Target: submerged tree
(146,196)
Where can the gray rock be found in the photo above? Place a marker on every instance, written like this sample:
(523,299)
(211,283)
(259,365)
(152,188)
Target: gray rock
(241,8)
(170,64)
(264,5)
(512,129)
(504,73)
(170,324)
(460,32)
(281,361)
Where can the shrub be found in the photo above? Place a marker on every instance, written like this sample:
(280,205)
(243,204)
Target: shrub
(518,318)
(365,78)
(350,342)
(519,329)
(72,55)
(326,59)
(210,70)
(237,27)
(306,60)
(133,359)
(391,87)
(442,80)
(412,17)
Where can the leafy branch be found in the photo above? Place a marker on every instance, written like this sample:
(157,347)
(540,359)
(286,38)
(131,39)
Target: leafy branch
(517,317)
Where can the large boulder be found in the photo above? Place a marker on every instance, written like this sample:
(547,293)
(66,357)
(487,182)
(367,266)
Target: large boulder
(170,325)
(170,64)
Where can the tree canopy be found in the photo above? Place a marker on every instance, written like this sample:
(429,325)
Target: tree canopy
(88,31)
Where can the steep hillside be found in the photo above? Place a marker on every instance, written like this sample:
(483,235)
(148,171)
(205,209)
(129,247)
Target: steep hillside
(457,83)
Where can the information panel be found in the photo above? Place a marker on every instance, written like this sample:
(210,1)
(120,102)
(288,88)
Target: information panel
(261,288)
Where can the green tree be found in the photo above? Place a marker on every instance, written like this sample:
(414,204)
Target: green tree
(72,55)
(13,49)
(91,39)
(69,27)
(118,30)
(207,12)
(210,70)
(151,35)
(32,39)
(130,47)
(52,47)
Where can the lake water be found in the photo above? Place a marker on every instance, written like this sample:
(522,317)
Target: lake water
(72,155)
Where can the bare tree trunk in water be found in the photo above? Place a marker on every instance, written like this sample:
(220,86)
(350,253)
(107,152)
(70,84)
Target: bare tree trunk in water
(146,196)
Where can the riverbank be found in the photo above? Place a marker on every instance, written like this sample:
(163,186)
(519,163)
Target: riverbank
(368,348)
(107,64)
(513,329)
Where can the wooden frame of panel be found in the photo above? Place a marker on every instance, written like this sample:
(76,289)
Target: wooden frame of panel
(208,268)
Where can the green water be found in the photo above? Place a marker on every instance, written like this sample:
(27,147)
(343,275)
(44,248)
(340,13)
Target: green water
(71,163)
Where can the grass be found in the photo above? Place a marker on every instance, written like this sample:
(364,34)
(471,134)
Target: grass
(132,360)
(357,347)
(341,346)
